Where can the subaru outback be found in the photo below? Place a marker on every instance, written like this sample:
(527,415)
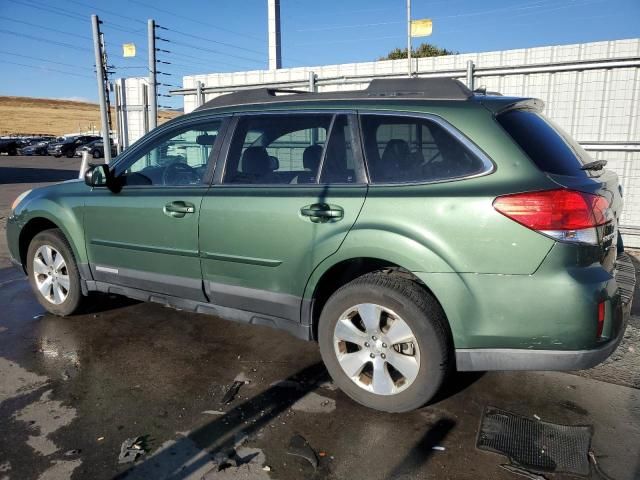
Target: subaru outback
(411,228)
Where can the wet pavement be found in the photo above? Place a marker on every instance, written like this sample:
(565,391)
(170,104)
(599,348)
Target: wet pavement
(73,389)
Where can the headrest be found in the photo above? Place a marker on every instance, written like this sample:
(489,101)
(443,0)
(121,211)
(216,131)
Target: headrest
(396,150)
(256,161)
(311,157)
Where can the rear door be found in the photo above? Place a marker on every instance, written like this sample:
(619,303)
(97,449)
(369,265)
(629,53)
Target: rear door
(292,187)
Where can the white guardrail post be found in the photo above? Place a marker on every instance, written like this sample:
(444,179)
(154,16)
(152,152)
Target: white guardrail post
(85,163)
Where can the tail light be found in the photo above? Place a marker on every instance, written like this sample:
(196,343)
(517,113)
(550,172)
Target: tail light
(562,214)
(600,318)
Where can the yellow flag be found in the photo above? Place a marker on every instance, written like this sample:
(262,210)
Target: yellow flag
(421,28)
(128,49)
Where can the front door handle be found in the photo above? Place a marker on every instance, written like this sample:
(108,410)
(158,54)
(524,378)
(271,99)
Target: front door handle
(322,212)
(178,209)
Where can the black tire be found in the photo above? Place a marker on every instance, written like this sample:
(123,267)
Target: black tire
(96,154)
(70,154)
(56,239)
(13,151)
(423,314)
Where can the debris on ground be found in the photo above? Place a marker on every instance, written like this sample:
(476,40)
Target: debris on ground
(287,384)
(299,447)
(213,412)
(233,389)
(100,439)
(439,448)
(328,385)
(523,473)
(72,453)
(314,403)
(536,416)
(266,468)
(131,449)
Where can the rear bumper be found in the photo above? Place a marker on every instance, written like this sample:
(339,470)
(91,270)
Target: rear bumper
(474,359)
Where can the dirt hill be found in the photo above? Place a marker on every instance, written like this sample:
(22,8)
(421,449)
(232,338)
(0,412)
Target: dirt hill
(26,115)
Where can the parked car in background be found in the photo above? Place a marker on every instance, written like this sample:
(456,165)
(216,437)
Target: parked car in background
(412,228)
(68,147)
(35,147)
(10,146)
(95,149)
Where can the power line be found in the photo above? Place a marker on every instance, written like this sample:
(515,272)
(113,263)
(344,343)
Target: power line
(109,12)
(198,37)
(75,35)
(20,55)
(177,15)
(45,40)
(39,67)
(197,47)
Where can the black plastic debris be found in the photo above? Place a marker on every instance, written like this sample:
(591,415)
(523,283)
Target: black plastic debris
(523,473)
(231,392)
(299,447)
(131,449)
(536,445)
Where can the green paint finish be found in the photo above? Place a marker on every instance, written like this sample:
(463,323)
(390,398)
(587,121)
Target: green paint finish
(131,230)
(266,223)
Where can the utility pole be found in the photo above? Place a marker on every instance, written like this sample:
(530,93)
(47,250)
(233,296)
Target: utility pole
(273,18)
(103,85)
(409,37)
(153,88)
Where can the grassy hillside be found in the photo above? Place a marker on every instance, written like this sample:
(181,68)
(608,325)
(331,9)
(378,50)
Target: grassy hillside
(26,115)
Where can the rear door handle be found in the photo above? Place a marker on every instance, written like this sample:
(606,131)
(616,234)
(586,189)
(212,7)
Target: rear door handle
(178,209)
(322,212)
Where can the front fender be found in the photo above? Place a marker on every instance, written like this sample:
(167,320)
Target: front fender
(62,205)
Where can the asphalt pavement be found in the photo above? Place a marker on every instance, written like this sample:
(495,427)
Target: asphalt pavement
(73,389)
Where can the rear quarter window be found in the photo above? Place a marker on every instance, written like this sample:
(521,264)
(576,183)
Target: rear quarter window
(403,149)
(545,143)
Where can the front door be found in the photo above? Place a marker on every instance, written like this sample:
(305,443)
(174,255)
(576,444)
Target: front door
(293,186)
(146,236)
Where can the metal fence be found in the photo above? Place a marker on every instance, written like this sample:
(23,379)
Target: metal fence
(592,90)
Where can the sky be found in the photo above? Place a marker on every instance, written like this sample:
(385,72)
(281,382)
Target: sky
(46,48)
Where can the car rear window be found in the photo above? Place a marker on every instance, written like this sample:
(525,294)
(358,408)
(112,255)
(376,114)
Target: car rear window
(551,149)
(403,149)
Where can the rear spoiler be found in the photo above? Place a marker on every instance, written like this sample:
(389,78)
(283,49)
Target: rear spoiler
(531,104)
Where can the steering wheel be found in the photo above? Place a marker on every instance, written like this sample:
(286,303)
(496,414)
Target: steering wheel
(179,173)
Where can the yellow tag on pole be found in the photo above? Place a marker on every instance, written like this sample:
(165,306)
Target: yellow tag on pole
(421,28)
(128,49)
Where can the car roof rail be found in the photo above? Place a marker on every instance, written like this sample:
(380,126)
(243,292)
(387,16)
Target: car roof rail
(379,88)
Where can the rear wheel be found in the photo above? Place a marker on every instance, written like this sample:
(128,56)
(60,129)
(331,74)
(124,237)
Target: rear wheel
(53,273)
(70,154)
(385,342)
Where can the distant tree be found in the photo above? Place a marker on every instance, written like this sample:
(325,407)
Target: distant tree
(423,50)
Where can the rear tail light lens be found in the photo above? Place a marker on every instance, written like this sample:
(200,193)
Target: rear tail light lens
(565,215)
(600,318)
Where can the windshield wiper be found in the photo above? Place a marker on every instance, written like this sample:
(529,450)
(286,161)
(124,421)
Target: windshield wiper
(595,165)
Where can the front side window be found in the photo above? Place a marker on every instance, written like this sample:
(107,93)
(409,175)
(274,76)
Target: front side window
(178,158)
(406,150)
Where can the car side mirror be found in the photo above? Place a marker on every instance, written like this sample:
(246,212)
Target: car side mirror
(97,176)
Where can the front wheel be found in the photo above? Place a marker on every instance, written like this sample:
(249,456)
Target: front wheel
(385,343)
(53,273)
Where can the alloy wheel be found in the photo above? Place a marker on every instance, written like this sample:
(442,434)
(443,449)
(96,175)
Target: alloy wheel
(51,274)
(376,349)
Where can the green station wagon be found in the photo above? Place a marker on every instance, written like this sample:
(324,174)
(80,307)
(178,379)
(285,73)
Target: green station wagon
(412,228)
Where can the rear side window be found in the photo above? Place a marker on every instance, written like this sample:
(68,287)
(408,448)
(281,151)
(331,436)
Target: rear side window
(550,148)
(405,149)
